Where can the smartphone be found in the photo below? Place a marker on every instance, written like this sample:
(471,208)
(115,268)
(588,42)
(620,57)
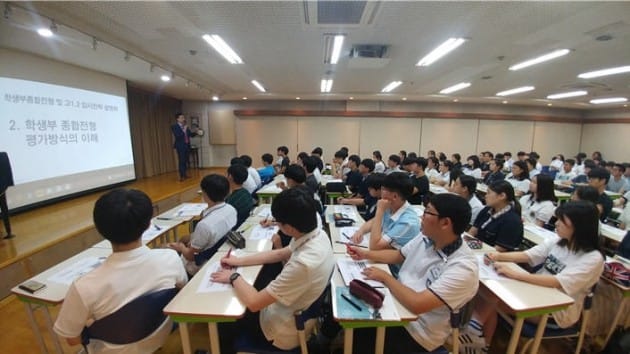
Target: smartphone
(32,286)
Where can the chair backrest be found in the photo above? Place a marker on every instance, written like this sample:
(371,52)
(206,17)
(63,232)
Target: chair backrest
(203,256)
(132,322)
(314,311)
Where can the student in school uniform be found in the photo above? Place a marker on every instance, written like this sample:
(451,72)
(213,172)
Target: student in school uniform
(267,172)
(283,160)
(317,153)
(216,221)
(432,167)
(374,183)
(120,216)
(353,178)
(573,264)
(579,166)
(617,182)
(253,174)
(420,181)
(486,157)
(465,186)
(402,154)
(309,265)
(239,197)
(566,172)
(499,223)
(339,165)
(495,172)
(456,159)
(379,165)
(538,206)
(393,164)
(598,178)
(439,273)
(472,167)
(310,165)
(249,184)
(443,177)
(531,167)
(519,178)
(361,197)
(557,162)
(507,156)
(536,163)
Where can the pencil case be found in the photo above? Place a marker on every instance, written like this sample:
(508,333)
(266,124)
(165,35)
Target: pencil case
(367,293)
(236,239)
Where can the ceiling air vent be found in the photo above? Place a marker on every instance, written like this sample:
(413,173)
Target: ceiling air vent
(327,13)
(368,51)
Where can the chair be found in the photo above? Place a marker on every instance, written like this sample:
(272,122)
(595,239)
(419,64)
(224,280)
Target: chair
(132,322)
(458,318)
(552,331)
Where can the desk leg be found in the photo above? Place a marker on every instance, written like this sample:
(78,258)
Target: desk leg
(539,333)
(34,327)
(183,333)
(516,334)
(215,348)
(379,346)
(49,324)
(347,341)
(615,322)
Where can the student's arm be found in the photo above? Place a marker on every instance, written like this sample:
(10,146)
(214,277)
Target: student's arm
(473,231)
(186,251)
(388,256)
(363,229)
(253,299)
(516,257)
(272,256)
(546,280)
(376,230)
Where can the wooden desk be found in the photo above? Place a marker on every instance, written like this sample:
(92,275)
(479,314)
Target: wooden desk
(537,234)
(612,232)
(251,246)
(152,235)
(335,234)
(189,306)
(562,196)
(182,213)
(52,295)
(270,191)
(349,325)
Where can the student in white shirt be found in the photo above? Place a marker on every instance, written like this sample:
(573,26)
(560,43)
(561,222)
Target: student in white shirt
(393,164)
(508,161)
(566,173)
(531,167)
(538,206)
(379,165)
(556,163)
(432,166)
(519,178)
(473,167)
(444,176)
(466,186)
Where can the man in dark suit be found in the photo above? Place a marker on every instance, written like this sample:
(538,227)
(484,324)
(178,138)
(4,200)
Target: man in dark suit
(6,180)
(182,144)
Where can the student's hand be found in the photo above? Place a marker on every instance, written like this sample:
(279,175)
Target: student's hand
(374,273)
(357,237)
(382,205)
(281,185)
(341,200)
(177,246)
(518,193)
(356,253)
(222,276)
(506,270)
(267,222)
(229,262)
(491,257)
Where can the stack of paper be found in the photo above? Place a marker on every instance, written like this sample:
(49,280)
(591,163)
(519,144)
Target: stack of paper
(351,269)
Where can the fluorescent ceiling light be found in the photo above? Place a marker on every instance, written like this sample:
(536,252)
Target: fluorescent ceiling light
(391,86)
(258,86)
(45,32)
(604,72)
(165,78)
(215,98)
(457,87)
(515,91)
(223,48)
(609,100)
(326,85)
(332,47)
(553,55)
(556,96)
(336,51)
(441,51)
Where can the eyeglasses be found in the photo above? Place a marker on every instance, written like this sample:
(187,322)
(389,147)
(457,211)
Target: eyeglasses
(432,213)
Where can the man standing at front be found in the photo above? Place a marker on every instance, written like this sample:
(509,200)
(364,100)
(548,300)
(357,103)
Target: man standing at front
(181,144)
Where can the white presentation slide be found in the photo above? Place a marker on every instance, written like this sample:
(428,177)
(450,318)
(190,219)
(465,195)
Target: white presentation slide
(62,140)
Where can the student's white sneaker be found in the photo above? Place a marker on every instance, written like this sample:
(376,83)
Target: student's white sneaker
(471,343)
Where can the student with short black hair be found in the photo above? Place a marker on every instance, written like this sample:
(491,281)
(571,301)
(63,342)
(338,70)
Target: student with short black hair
(267,172)
(507,156)
(439,273)
(283,160)
(247,161)
(132,270)
(309,265)
(499,223)
(295,175)
(353,178)
(339,169)
(495,172)
(316,154)
(472,167)
(393,164)
(216,221)
(420,182)
(538,205)
(249,184)
(465,186)
(586,193)
(361,197)
(240,198)
(579,166)
(617,183)
(432,167)
(374,183)
(598,178)
(531,167)
(566,172)
(443,177)
(379,165)
(456,159)
(402,154)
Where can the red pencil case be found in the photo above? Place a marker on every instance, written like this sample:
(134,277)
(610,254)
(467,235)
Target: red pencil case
(367,293)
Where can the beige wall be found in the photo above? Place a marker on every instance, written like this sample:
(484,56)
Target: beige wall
(610,139)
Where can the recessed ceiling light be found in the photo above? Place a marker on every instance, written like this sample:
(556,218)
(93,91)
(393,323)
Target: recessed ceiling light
(336,50)
(553,55)
(244,98)
(258,86)
(441,51)
(556,96)
(391,86)
(605,72)
(504,102)
(351,98)
(215,98)
(456,100)
(326,85)
(515,91)
(456,87)
(298,98)
(404,98)
(45,32)
(549,104)
(165,78)
(222,48)
(609,100)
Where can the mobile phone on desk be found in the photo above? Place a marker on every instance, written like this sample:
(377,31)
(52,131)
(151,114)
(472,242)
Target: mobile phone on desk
(32,286)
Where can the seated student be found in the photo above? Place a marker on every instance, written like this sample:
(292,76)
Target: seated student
(317,153)
(519,178)
(579,166)
(309,265)
(572,264)
(253,174)
(420,182)
(566,172)
(586,193)
(442,156)
(408,166)
(310,165)
(239,197)
(624,218)
(453,176)
(485,159)
(466,186)
(499,223)
(395,222)
(393,164)
(249,184)
(598,178)
(379,165)
(507,166)
(538,206)
(402,154)
(536,164)
(456,159)
(557,163)
(216,222)
(582,178)
(472,167)
(617,182)
(443,177)
(495,172)
(339,171)
(283,160)
(361,198)
(267,172)
(439,273)
(374,183)
(120,216)
(432,166)
(531,167)
(354,178)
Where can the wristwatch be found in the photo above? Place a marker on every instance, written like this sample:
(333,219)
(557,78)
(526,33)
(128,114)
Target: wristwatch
(233,277)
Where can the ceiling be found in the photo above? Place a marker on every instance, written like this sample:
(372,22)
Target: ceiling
(282,46)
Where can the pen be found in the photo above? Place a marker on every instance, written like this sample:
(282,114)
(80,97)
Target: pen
(226,266)
(351,302)
(161,218)
(157,227)
(350,244)
(346,236)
